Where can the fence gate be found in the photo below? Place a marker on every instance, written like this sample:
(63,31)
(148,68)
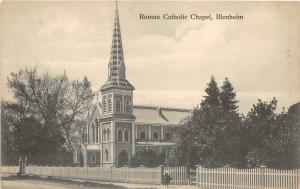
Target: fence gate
(193,176)
(179,175)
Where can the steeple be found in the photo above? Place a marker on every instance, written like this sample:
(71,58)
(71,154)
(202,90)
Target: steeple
(116,63)
(116,66)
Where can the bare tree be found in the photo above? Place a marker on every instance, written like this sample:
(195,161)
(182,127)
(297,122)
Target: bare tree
(53,100)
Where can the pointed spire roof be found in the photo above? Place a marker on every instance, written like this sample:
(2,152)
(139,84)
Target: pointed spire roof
(116,66)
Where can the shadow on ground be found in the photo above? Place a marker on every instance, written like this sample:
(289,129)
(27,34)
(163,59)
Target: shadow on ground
(77,183)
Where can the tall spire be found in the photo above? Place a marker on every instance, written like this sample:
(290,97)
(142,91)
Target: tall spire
(116,62)
(116,66)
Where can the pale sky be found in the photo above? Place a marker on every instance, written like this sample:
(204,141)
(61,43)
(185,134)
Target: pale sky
(168,62)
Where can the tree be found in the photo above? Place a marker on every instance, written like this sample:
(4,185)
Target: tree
(76,135)
(9,155)
(213,93)
(231,146)
(282,145)
(145,157)
(201,135)
(22,131)
(228,98)
(54,101)
(215,134)
(259,126)
(293,135)
(210,136)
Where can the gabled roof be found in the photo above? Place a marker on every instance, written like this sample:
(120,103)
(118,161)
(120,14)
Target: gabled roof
(154,114)
(159,115)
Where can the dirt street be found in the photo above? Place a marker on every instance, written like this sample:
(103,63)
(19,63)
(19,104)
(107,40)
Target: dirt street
(12,182)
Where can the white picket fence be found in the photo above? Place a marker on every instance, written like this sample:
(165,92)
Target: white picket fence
(260,178)
(109,174)
(124,174)
(219,178)
(9,169)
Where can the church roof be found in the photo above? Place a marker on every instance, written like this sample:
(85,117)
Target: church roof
(159,115)
(117,83)
(145,114)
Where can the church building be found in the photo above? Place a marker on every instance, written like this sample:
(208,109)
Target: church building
(117,128)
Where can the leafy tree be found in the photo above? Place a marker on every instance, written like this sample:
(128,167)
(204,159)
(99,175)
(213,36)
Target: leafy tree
(54,102)
(258,125)
(172,158)
(282,144)
(145,157)
(161,159)
(215,134)
(76,135)
(9,154)
(148,158)
(293,135)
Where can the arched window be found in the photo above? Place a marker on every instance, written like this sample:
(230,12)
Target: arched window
(155,136)
(126,135)
(118,106)
(142,135)
(168,136)
(106,155)
(108,134)
(93,133)
(122,159)
(97,136)
(104,104)
(109,103)
(120,135)
(127,106)
(93,158)
(104,135)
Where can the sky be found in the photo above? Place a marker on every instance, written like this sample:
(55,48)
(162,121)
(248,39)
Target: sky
(169,62)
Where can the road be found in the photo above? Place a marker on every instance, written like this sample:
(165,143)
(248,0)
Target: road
(13,182)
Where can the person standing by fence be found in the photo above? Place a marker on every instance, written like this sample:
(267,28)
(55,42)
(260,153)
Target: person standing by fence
(167,178)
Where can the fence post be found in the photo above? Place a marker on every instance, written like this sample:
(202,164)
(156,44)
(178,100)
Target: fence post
(162,174)
(20,166)
(188,171)
(197,176)
(110,174)
(262,173)
(77,172)
(126,173)
(60,171)
(87,172)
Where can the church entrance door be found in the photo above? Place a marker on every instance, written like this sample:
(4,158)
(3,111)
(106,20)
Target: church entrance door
(122,159)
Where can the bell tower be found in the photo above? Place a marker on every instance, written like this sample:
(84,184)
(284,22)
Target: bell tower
(117,106)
